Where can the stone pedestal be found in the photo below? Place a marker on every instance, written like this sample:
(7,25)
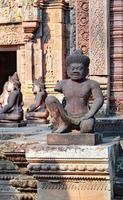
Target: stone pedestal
(73,172)
(74,139)
(8,124)
(36,122)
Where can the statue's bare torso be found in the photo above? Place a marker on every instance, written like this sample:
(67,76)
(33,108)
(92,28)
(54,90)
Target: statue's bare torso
(77,95)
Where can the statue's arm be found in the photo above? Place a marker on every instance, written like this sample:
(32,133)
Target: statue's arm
(98,100)
(36,103)
(12,98)
(58,87)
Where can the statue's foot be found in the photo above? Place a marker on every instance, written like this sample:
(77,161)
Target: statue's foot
(61,129)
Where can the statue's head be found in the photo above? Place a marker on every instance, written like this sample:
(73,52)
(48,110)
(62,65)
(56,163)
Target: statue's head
(14,82)
(77,65)
(38,85)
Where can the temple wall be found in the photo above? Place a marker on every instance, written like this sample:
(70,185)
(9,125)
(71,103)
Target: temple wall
(43,33)
(36,31)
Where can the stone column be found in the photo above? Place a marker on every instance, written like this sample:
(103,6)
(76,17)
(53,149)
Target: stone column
(21,65)
(29,28)
(38,69)
(99,45)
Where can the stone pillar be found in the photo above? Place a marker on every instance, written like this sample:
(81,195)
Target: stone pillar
(53,43)
(29,28)
(99,45)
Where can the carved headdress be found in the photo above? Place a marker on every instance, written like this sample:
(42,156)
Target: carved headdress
(39,82)
(77,56)
(15,79)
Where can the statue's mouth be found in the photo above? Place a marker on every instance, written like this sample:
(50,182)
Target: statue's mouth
(75,74)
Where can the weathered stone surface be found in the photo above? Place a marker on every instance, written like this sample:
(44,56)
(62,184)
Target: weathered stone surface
(74,139)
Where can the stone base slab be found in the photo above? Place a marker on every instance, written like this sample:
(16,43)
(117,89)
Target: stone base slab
(74,139)
(7,124)
(36,122)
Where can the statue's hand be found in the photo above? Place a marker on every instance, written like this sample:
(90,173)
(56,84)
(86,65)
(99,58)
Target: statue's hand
(86,117)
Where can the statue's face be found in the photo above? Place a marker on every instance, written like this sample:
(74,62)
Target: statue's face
(36,89)
(10,86)
(76,71)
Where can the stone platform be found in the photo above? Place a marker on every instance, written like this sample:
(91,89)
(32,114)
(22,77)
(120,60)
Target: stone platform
(74,172)
(74,139)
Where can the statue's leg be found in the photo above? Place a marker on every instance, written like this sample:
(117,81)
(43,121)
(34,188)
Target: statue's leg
(40,117)
(57,114)
(11,117)
(87,126)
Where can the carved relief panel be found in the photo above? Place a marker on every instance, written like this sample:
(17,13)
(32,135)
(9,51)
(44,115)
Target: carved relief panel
(98,37)
(11,34)
(16,11)
(82,25)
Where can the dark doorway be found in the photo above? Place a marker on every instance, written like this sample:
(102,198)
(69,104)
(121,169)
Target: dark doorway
(7,66)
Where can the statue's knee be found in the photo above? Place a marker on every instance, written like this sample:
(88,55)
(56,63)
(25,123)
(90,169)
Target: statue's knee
(87,126)
(50,100)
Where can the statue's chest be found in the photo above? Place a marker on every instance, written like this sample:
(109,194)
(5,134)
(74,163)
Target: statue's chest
(76,90)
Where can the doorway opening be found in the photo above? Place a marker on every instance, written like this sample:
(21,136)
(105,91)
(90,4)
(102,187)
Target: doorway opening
(8,63)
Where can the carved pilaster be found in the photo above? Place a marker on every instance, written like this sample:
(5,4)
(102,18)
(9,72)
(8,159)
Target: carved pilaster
(116,55)
(82,24)
(53,43)
(99,43)
(98,37)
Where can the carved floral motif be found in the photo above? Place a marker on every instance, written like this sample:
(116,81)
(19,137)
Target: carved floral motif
(82,24)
